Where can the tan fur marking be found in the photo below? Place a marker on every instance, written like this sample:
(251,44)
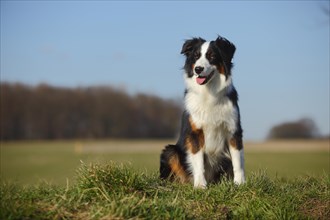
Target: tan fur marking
(192,125)
(177,170)
(237,144)
(195,140)
(221,69)
(233,143)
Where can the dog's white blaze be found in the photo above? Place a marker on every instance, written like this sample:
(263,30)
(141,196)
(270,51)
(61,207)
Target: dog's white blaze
(203,61)
(196,162)
(237,157)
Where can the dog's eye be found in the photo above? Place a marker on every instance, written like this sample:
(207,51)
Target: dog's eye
(210,55)
(196,56)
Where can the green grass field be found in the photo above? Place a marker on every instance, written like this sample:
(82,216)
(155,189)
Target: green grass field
(87,180)
(112,191)
(29,162)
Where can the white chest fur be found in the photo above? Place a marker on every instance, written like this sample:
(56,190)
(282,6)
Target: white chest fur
(215,114)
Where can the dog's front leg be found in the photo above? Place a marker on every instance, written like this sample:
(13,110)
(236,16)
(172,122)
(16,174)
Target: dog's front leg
(196,161)
(237,157)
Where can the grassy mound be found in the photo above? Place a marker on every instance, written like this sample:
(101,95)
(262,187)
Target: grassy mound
(113,191)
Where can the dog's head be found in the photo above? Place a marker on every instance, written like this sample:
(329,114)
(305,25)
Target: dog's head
(204,60)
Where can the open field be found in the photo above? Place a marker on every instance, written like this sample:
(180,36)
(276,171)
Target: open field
(294,186)
(29,162)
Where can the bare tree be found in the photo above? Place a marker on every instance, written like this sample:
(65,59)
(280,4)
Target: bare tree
(46,112)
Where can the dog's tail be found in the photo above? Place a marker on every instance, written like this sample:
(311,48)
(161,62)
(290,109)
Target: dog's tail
(165,169)
(172,164)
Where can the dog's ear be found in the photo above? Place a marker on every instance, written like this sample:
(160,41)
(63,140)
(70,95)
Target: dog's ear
(227,48)
(189,45)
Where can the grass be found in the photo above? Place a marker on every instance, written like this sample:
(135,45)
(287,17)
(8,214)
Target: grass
(118,180)
(55,161)
(116,191)
(289,164)
(29,162)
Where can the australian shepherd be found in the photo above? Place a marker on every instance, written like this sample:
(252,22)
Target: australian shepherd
(210,145)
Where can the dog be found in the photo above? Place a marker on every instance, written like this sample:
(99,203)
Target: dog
(210,145)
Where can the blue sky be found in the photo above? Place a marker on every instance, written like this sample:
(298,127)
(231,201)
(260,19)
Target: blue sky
(281,63)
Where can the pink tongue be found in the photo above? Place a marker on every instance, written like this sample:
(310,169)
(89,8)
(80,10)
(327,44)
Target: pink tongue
(200,81)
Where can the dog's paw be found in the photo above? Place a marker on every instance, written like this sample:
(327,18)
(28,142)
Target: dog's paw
(200,184)
(239,178)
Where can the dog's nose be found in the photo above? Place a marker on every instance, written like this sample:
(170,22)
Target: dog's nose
(199,69)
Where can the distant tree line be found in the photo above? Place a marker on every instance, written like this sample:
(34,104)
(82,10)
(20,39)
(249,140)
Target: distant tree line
(304,128)
(46,112)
